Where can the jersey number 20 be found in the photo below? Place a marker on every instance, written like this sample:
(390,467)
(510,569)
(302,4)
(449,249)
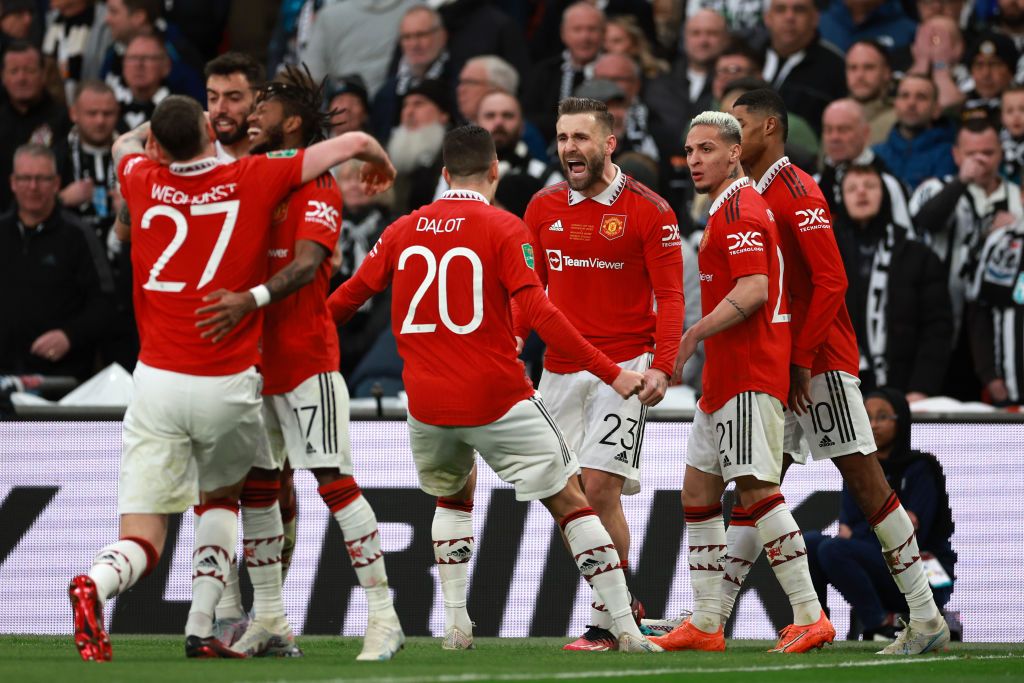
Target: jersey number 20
(440,271)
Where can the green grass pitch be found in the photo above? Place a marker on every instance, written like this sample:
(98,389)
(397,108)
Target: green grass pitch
(161,658)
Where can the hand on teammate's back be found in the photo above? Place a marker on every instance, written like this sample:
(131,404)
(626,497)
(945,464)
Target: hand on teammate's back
(229,309)
(655,385)
(628,383)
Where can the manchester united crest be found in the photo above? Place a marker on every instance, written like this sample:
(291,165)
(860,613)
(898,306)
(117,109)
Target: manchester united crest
(704,238)
(613,226)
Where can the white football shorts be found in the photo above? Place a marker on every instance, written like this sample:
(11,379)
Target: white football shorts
(308,425)
(524,447)
(743,437)
(606,431)
(187,433)
(837,423)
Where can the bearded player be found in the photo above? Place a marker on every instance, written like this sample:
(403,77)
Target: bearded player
(195,419)
(305,398)
(454,267)
(609,253)
(826,407)
(738,423)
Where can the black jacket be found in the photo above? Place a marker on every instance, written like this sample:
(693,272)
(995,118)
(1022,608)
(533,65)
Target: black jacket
(918,316)
(814,83)
(50,281)
(45,122)
(541,93)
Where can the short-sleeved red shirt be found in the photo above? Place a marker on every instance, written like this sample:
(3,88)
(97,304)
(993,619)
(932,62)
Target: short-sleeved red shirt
(823,335)
(741,239)
(453,266)
(197,228)
(613,265)
(299,336)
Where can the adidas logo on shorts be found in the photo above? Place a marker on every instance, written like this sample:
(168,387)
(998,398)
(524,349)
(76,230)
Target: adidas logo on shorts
(726,461)
(309,448)
(621,457)
(826,442)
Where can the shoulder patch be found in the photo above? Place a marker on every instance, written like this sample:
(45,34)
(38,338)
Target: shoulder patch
(528,254)
(282,154)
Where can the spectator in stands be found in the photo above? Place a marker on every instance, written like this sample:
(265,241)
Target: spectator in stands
(938,49)
(53,308)
(557,77)
(424,57)
(918,146)
(1009,20)
(231,82)
(634,134)
(348,96)
(357,36)
(30,114)
(146,65)
(483,28)
(16,17)
(845,143)
(807,72)
(501,115)
(76,38)
(869,80)
(993,61)
(745,18)
(958,211)
(89,191)
(479,76)
(362,223)
(851,561)
(897,296)
(995,305)
(622,36)
(415,144)
(738,60)
(1011,135)
(704,38)
(129,18)
(88,176)
(847,21)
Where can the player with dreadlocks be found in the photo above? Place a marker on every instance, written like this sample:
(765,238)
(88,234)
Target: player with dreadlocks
(305,401)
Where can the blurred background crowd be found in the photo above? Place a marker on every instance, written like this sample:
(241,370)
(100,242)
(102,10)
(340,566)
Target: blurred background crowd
(910,112)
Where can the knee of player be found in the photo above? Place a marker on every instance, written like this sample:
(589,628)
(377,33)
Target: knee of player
(604,489)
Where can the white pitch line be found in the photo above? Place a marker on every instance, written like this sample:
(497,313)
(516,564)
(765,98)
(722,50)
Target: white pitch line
(615,673)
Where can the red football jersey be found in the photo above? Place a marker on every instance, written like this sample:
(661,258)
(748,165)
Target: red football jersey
(299,336)
(453,265)
(197,228)
(823,335)
(741,239)
(607,261)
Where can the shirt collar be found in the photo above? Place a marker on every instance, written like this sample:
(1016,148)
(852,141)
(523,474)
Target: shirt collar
(608,196)
(736,186)
(197,167)
(465,195)
(769,175)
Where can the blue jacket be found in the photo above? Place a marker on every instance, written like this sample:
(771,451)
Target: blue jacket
(927,155)
(887,24)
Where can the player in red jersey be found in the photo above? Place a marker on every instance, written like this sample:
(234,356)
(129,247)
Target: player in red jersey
(738,424)
(609,253)
(826,407)
(305,400)
(194,421)
(454,266)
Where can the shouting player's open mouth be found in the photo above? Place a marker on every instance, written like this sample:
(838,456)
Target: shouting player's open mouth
(577,169)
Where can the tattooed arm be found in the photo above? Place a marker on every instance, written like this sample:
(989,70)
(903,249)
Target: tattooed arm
(228,308)
(132,142)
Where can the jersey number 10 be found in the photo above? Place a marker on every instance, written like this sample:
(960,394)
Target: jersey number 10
(440,271)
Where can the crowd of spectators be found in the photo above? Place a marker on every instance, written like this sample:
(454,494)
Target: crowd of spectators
(910,112)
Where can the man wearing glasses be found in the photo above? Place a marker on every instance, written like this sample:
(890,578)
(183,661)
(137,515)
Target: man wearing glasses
(53,309)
